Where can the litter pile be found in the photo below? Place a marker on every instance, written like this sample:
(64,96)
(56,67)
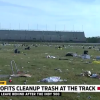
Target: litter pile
(52,79)
(89,74)
(85,55)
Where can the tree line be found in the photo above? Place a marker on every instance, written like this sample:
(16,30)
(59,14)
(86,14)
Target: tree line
(93,39)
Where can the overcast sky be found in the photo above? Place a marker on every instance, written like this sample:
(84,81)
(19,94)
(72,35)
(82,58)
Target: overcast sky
(71,15)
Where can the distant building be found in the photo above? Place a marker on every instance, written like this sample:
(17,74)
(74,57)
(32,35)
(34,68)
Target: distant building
(53,36)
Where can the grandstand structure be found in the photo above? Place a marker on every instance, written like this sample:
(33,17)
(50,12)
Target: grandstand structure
(44,36)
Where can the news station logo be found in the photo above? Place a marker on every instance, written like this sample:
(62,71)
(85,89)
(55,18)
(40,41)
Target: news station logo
(3,83)
(43,90)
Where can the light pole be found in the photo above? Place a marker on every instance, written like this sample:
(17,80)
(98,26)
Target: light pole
(37,26)
(55,27)
(19,26)
(64,27)
(73,27)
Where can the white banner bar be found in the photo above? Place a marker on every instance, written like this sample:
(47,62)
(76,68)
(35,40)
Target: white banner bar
(49,88)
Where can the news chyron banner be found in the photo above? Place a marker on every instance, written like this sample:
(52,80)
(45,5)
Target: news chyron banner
(45,90)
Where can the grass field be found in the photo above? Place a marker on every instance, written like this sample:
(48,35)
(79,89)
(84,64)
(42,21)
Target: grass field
(35,62)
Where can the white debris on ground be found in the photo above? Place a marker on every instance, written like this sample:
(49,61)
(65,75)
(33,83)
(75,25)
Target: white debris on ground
(85,56)
(58,70)
(52,79)
(48,56)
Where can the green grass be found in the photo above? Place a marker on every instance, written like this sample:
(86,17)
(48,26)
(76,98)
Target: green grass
(40,67)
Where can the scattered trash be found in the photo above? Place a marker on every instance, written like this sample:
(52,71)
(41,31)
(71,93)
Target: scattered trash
(89,47)
(16,51)
(18,73)
(96,62)
(71,54)
(28,48)
(98,58)
(59,70)
(86,73)
(52,79)
(10,80)
(85,56)
(94,75)
(89,97)
(86,52)
(48,56)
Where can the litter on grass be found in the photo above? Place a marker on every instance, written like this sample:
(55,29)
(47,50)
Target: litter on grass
(85,56)
(18,73)
(90,74)
(98,58)
(71,54)
(58,70)
(52,79)
(96,62)
(48,56)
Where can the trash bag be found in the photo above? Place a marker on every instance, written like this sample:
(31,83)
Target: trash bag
(16,51)
(94,75)
(69,54)
(89,47)
(28,48)
(85,52)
